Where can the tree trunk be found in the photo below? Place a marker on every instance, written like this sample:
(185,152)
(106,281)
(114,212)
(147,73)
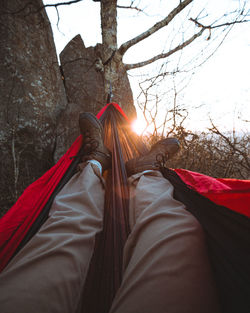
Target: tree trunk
(114,72)
(109,42)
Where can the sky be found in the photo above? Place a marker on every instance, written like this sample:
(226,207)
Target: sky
(219,89)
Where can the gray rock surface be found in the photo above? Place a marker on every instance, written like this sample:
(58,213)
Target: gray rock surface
(32,96)
(83,84)
(84,79)
(39,101)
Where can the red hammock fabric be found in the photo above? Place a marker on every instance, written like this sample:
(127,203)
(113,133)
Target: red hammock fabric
(231,193)
(14,225)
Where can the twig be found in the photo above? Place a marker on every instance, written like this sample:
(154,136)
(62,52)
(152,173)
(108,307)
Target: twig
(217,26)
(129,7)
(42,7)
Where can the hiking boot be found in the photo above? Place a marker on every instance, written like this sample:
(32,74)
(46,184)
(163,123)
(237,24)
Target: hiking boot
(93,146)
(156,158)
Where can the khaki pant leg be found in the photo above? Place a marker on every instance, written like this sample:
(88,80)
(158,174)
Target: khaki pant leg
(47,275)
(166,267)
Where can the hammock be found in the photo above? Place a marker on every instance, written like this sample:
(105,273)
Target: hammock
(222,207)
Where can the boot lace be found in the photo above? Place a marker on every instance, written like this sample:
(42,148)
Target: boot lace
(161,160)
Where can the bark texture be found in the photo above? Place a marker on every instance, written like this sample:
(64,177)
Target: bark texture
(32,96)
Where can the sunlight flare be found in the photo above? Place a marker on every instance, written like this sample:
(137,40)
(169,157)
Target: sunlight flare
(139,126)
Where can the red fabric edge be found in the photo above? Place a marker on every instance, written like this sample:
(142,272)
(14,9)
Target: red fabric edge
(16,222)
(231,193)
(116,106)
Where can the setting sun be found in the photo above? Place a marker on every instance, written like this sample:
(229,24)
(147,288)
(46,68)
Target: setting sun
(139,126)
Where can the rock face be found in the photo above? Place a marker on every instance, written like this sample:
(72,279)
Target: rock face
(83,77)
(39,102)
(32,96)
(83,83)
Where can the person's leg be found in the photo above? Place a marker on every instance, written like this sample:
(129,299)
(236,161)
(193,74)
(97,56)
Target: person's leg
(47,275)
(166,267)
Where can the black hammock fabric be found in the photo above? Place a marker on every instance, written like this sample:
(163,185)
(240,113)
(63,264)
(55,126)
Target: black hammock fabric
(105,273)
(227,232)
(228,241)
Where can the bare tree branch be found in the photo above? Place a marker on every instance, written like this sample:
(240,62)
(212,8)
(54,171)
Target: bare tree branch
(42,7)
(220,25)
(165,55)
(129,7)
(60,3)
(124,47)
(216,131)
